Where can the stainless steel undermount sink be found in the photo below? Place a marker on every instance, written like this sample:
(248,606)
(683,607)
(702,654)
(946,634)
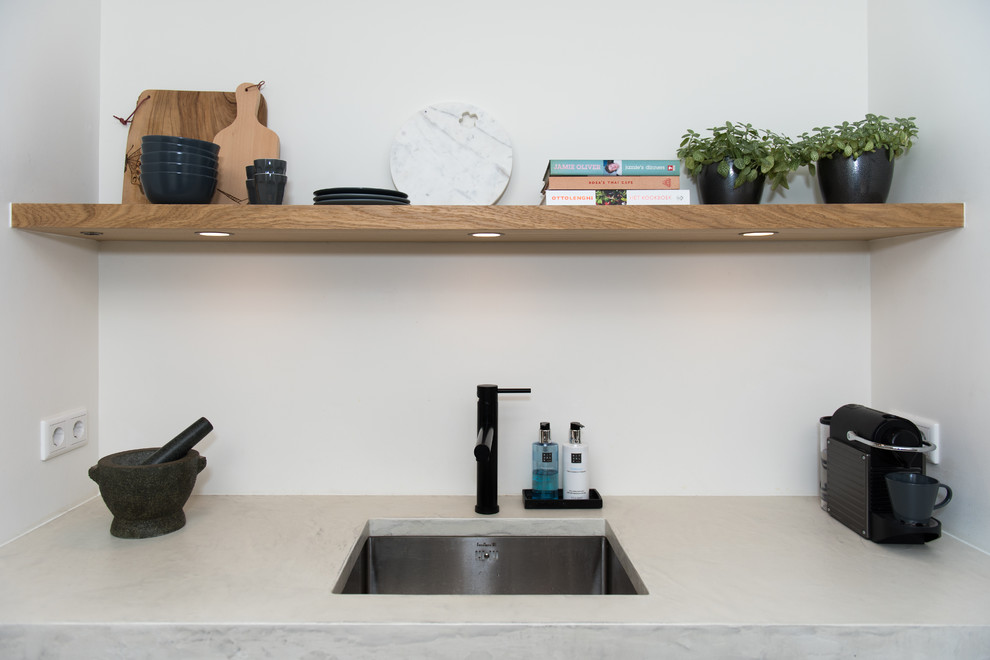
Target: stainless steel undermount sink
(472,556)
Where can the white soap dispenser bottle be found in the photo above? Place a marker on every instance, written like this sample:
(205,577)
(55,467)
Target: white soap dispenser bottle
(575,466)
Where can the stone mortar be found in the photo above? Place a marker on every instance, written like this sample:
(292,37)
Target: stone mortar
(146,500)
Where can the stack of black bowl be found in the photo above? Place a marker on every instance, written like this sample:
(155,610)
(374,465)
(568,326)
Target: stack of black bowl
(178,170)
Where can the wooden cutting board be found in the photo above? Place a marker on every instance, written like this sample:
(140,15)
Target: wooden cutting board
(199,115)
(190,114)
(245,140)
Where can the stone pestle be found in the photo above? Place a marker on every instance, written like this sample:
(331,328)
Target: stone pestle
(180,445)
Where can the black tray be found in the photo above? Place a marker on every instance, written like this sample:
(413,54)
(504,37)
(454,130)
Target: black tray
(594,501)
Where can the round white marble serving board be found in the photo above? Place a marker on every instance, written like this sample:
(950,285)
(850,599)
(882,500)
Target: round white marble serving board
(451,153)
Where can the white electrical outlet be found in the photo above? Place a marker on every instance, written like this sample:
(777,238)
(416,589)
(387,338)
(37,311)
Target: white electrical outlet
(64,432)
(929,433)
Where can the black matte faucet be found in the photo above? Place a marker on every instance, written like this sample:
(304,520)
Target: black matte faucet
(486,449)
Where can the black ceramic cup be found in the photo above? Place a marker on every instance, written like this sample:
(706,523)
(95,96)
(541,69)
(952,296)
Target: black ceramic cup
(273,165)
(269,188)
(913,495)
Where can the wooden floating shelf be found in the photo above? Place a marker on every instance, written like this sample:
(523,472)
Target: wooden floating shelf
(791,222)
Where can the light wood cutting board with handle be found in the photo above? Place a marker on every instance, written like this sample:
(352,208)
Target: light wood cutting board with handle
(245,140)
(190,114)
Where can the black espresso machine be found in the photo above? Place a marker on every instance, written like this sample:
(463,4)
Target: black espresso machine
(863,446)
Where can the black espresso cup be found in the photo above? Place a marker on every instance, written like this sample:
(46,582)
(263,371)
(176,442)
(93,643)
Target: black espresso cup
(913,495)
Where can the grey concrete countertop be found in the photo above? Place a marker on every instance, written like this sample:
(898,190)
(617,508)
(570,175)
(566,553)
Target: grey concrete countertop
(251,576)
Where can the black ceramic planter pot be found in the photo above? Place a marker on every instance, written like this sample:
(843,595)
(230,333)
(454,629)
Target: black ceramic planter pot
(713,188)
(863,180)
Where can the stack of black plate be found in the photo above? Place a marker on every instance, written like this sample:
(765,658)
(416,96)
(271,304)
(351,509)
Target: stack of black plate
(359,196)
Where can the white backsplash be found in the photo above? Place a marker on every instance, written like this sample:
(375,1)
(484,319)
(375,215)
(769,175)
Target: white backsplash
(325,369)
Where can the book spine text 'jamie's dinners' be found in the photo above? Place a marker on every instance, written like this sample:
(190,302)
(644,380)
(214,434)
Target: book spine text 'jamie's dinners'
(613,167)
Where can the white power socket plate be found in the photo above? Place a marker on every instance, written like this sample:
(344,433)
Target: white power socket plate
(929,432)
(64,432)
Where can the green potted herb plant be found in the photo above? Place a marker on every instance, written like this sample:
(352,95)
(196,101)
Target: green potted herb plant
(855,161)
(733,163)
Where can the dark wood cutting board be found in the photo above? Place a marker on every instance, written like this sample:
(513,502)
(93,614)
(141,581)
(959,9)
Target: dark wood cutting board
(199,115)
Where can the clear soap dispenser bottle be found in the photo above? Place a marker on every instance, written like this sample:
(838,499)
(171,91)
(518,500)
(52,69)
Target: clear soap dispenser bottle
(575,466)
(544,466)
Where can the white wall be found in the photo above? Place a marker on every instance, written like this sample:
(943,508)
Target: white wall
(931,310)
(697,369)
(343,369)
(565,78)
(49,50)
(334,368)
